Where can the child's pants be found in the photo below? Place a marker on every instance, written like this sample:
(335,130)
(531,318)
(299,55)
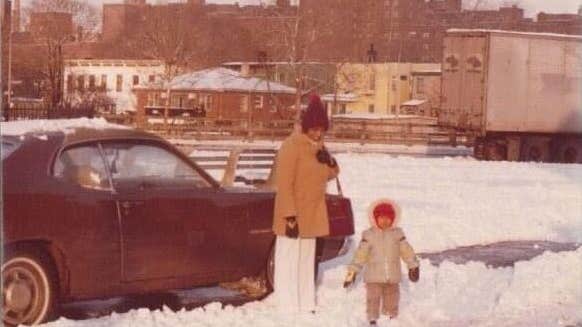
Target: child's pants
(387,293)
(294,286)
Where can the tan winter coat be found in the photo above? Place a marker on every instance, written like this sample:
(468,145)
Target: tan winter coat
(380,252)
(300,182)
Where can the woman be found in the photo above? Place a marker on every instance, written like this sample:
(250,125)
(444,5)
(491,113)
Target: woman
(303,167)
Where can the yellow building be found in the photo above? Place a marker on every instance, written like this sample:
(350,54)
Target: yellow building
(373,88)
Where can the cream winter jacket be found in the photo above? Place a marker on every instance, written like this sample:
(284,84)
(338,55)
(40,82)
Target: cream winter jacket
(300,182)
(380,252)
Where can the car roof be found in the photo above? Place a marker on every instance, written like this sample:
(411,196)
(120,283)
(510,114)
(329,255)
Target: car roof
(81,135)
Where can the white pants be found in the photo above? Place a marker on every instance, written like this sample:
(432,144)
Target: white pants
(294,287)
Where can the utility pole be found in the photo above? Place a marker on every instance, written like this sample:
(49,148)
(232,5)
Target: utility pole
(9,73)
(6,28)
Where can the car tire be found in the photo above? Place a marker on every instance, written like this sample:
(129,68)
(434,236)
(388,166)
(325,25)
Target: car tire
(29,287)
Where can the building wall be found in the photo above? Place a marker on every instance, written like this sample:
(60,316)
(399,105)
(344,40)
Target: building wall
(380,87)
(119,79)
(426,85)
(227,105)
(53,24)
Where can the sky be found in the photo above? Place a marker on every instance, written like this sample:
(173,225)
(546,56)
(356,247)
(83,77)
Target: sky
(531,6)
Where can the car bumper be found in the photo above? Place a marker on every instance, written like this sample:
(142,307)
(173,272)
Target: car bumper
(332,247)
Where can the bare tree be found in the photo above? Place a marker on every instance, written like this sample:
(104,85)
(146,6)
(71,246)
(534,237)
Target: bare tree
(50,36)
(169,35)
(301,39)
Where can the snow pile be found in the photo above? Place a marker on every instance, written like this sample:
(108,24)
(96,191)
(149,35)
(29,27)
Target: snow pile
(54,125)
(543,292)
(452,202)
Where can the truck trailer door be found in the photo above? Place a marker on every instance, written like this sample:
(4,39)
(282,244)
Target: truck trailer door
(463,87)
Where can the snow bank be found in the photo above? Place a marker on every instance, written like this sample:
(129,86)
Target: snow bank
(543,292)
(53,125)
(451,202)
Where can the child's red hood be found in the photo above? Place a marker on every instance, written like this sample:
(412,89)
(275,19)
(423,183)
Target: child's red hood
(397,212)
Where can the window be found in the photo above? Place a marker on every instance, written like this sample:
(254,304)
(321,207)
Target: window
(393,109)
(148,162)
(92,83)
(119,83)
(104,82)
(425,46)
(426,35)
(403,78)
(153,99)
(372,82)
(135,80)
(81,83)
(244,103)
(152,78)
(70,83)
(83,166)
(420,85)
(208,103)
(259,102)
(371,108)
(342,108)
(177,101)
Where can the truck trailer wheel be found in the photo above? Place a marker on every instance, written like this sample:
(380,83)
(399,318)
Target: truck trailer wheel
(537,149)
(495,151)
(570,152)
(570,155)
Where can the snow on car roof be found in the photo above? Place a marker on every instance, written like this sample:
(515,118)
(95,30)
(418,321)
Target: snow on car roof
(66,126)
(222,79)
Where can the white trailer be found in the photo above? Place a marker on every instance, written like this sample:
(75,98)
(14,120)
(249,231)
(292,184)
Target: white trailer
(519,94)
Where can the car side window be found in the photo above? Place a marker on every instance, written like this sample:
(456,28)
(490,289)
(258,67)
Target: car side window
(135,161)
(83,166)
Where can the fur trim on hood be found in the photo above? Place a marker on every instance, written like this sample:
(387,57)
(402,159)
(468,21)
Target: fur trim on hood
(397,211)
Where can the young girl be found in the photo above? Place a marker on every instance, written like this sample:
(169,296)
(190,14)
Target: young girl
(380,250)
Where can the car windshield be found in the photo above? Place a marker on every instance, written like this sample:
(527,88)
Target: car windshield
(7,148)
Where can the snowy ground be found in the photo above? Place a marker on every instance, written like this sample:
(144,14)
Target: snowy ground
(447,203)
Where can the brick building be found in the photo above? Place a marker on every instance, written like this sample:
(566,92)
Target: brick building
(219,94)
(53,24)
(115,79)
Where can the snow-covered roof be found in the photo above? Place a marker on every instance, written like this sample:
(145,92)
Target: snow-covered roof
(66,126)
(463,30)
(222,79)
(341,97)
(414,102)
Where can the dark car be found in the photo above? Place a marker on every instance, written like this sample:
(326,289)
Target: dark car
(111,212)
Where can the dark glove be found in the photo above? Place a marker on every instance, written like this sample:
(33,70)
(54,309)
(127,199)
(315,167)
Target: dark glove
(414,274)
(324,157)
(350,278)
(291,228)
